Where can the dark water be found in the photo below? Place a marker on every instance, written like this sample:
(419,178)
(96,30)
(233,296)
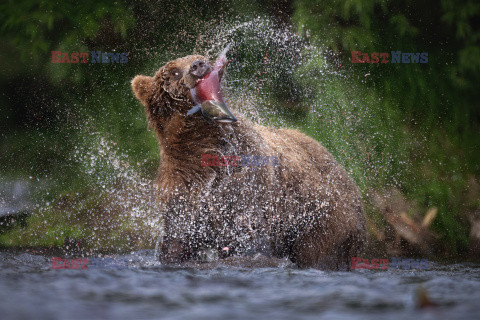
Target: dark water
(31,289)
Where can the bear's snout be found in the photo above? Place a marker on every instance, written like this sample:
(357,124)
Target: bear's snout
(199,68)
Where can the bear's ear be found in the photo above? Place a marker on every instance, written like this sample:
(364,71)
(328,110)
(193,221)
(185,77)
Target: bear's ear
(143,88)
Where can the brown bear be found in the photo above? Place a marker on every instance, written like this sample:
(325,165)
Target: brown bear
(302,205)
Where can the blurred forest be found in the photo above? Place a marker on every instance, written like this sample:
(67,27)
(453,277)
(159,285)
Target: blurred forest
(409,134)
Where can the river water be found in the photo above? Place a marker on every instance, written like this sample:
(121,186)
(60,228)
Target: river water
(134,286)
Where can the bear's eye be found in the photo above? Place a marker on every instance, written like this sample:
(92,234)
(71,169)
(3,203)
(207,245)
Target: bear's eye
(176,73)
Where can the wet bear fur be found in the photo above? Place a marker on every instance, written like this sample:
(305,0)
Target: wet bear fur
(305,208)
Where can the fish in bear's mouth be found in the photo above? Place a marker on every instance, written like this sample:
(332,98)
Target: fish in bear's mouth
(207,94)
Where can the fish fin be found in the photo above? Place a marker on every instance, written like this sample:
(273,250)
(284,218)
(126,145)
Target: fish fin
(222,58)
(194,110)
(221,71)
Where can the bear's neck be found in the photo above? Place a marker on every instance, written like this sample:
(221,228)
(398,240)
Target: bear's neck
(183,141)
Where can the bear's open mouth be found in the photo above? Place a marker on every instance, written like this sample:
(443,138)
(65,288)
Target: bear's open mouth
(208,96)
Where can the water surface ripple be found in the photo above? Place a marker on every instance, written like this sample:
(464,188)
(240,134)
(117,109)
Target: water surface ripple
(31,289)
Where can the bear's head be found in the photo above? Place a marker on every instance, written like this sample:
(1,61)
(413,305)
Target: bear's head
(169,92)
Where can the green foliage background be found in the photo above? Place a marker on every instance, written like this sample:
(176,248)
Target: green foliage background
(411,127)
(435,102)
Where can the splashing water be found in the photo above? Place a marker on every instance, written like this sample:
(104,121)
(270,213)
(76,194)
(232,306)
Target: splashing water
(116,212)
(272,69)
(277,77)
